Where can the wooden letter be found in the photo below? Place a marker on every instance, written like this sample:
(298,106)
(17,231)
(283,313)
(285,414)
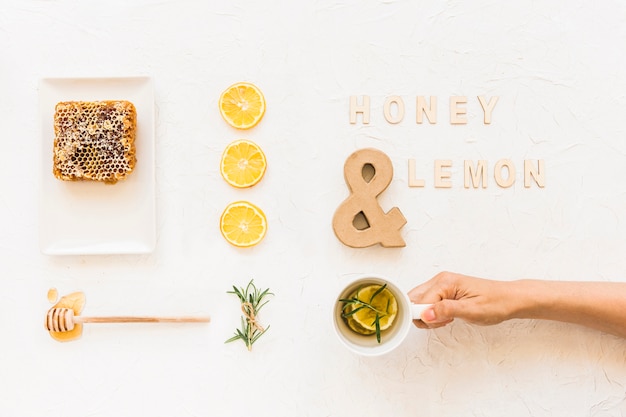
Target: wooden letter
(387,109)
(488,107)
(429,111)
(508,164)
(539,174)
(457,113)
(477,176)
(414,182)
(442,178)
(364,109)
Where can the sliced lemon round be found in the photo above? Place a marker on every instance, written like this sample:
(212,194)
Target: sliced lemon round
(384,303)
(243,164)
(242,105)
(243,224)
(352,324)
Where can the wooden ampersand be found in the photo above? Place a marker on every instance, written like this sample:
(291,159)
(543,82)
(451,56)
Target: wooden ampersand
(378,226)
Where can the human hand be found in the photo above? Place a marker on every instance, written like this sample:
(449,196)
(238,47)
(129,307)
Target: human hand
(475,300)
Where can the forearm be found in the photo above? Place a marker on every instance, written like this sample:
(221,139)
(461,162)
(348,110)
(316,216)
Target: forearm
(599,305)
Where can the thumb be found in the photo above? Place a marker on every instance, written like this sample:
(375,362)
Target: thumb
(443,311)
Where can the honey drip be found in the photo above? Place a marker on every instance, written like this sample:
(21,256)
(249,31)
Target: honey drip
(53,295)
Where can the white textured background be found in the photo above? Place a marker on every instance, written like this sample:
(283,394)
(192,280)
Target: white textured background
(559,68)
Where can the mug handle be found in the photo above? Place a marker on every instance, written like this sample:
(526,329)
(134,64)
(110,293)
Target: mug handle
(418,309)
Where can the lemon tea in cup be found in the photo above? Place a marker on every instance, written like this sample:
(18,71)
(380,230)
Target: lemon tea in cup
(370,309)
(372,316)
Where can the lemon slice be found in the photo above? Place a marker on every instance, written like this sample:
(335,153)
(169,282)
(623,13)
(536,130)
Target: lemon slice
(384,304)
(352,324)
(243,224)
(243,164)
(242,105)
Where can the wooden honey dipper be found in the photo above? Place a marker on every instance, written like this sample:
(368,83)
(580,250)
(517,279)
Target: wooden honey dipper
(63,319)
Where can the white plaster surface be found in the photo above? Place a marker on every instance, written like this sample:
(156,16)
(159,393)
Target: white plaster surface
(559,68)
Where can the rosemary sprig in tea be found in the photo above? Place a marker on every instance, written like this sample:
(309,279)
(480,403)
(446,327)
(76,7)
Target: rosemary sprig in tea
(358,305)
(252,300)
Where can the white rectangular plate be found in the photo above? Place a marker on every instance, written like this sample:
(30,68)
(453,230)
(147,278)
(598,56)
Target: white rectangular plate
(93,218)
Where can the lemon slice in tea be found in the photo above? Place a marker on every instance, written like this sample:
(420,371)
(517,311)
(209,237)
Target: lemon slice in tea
(352,324)
(384,304)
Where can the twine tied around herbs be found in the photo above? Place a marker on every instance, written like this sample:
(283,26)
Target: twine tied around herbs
(248,311)
(252,300)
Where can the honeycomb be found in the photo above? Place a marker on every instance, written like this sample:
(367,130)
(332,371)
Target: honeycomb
(94,140)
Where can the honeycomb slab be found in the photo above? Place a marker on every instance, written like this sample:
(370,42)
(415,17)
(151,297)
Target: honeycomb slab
(94,140)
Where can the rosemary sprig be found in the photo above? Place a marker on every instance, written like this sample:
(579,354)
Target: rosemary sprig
(252,300)
(355,301)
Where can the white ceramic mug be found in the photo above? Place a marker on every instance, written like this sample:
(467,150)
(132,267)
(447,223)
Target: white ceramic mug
(391,338)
